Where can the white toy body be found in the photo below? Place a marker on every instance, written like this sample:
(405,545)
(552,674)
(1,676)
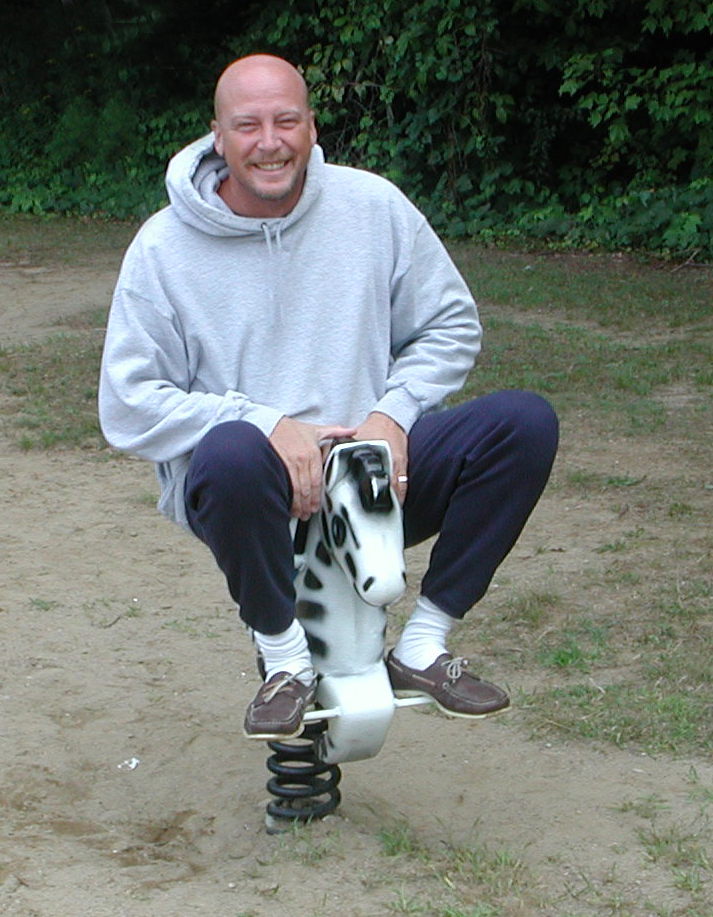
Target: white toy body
(351,568)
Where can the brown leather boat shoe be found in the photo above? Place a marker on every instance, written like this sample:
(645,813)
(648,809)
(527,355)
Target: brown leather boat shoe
(455,691)
(279,707)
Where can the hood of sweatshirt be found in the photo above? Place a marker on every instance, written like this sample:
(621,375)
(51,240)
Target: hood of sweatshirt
(194,176)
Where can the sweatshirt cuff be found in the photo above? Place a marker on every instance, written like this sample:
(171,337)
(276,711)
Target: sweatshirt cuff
(400,406)
(264,418)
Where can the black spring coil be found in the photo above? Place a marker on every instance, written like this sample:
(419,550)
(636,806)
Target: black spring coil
(304,786)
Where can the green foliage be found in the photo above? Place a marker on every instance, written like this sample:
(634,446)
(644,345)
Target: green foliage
(584,124)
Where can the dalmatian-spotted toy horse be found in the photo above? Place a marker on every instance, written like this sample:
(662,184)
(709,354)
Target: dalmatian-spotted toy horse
(350,566)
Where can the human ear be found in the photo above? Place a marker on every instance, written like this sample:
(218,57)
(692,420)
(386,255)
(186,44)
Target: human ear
(217,137)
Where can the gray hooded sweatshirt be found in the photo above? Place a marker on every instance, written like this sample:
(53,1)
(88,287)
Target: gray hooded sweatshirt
(349,304)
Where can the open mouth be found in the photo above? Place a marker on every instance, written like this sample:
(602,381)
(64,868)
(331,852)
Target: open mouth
(271,166)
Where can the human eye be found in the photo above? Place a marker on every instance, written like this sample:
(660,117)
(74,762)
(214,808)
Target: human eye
(288,121)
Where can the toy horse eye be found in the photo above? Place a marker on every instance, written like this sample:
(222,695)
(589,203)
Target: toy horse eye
(339,530)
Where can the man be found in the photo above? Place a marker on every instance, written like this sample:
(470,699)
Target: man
(279,302)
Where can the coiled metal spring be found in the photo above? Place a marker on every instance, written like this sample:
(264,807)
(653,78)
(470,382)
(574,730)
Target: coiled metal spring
(304,786)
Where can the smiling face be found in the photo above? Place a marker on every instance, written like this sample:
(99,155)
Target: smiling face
(264,130)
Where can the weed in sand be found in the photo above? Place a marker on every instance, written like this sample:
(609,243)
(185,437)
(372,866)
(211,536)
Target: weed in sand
(146,498)
(479,910)
(577,646)
(588,480)
(497,871)
(622,481)
(530,607)
(399,839)
(567,654)
(703,794)
(310,844)
(647,807)
(43,604)
(106,613)
(408,904)
(678,846)
(613,546)
(191,627)
(689,880)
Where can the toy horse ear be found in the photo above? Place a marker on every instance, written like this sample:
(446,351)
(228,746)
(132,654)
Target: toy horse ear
(330,465)
(367,467)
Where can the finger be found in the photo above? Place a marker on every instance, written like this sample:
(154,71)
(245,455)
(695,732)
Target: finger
(308,485)
(401,488)
(300,486)
(296,508)
(327,433)
(301,507)
(303,491)
(315,483)
(399,480)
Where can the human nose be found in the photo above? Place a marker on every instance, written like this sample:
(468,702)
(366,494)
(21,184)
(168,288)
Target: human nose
(268,139)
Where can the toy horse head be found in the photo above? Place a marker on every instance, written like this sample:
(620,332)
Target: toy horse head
(361,520)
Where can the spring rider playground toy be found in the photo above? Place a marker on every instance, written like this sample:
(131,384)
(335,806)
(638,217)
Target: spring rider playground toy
(349,562)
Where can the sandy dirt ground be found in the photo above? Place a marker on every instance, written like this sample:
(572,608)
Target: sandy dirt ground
(126,787)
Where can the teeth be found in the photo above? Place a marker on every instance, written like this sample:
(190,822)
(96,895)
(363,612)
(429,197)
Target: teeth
(270,166)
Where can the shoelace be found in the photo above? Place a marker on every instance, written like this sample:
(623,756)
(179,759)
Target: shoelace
(454,667)
(284,682)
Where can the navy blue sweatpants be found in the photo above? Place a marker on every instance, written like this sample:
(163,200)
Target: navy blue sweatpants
(475,472)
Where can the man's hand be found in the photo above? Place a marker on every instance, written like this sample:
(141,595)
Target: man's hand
(381,426)
(297,444)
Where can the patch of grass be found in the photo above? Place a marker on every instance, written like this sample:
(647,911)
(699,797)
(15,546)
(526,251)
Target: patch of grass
(702,794)
(50,391)
(678,509)
(647,807)
(108,612)
(192,626)
(613,546)
(529,608)
(90,319)
(588,480)
(43,604)
(609,290)
(57,239)
(311,848)
(399,839)
(566,654)
(653,717)
(405,903)
(501,871)
(676,844)
(625,481)
(479,910)
(575,647)
(474,880)
(147,498)
(601,374)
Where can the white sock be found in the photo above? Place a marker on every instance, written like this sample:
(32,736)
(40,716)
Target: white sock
(285,652)
(423,638)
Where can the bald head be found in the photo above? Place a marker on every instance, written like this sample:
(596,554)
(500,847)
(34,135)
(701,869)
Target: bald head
(264,129)
(258,73)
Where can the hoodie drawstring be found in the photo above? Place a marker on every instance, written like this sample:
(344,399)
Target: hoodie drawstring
(273,278)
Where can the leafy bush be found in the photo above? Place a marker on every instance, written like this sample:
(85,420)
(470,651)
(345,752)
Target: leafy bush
(588,124)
